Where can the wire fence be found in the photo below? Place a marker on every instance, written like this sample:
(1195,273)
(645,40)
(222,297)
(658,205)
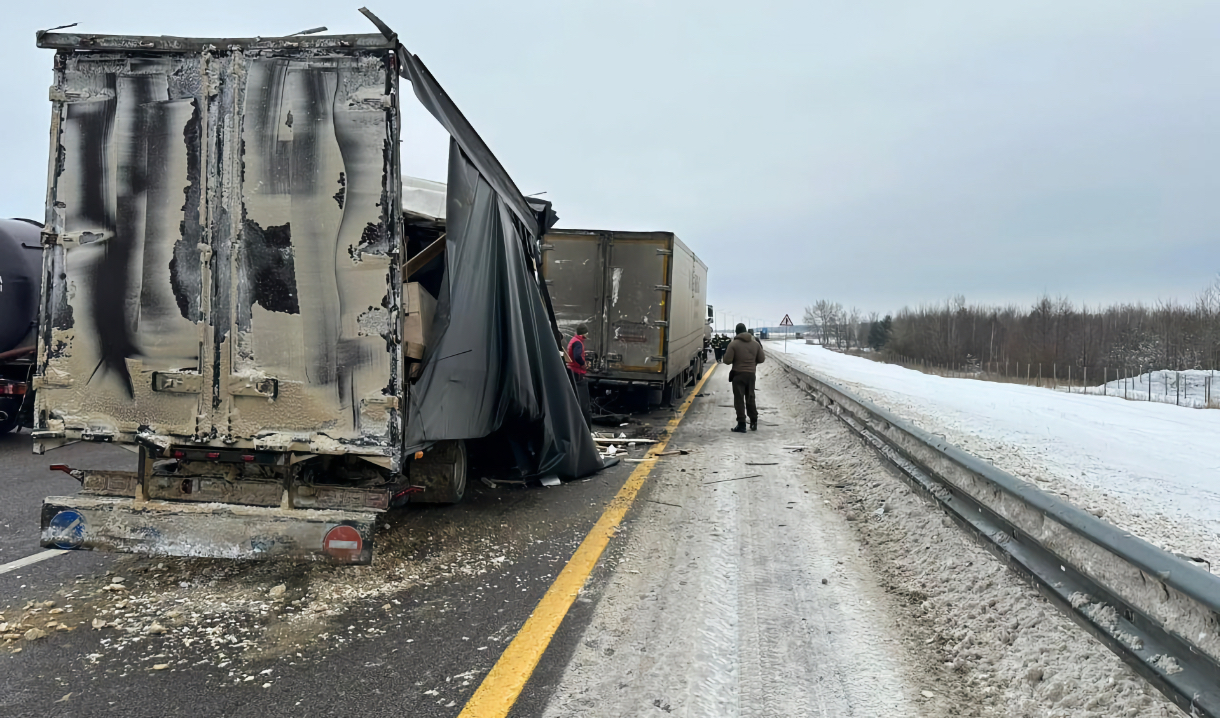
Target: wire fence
(1190,388)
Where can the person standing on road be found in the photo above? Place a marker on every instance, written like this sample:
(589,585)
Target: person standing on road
(744,354)
(576,365)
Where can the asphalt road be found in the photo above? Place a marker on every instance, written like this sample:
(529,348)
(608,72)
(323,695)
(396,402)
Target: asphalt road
(411,635)
(24,482)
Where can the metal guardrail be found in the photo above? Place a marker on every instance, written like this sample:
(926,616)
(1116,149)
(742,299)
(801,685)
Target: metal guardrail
(1160,614)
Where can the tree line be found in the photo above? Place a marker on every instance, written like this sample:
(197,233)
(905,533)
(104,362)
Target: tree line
(1053,332)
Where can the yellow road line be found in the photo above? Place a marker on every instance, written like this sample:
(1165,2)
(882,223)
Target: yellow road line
(504,683)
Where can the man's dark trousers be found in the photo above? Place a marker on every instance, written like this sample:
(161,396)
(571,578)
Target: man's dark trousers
(582,395)
(743,397)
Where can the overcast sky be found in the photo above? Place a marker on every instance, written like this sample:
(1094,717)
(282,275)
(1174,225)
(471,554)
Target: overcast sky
(873,153)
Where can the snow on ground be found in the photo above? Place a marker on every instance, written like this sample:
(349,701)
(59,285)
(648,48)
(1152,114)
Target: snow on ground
(1150,468)
(1004,649)
(759,581)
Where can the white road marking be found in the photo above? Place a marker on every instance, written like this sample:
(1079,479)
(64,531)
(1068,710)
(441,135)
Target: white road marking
(29,560)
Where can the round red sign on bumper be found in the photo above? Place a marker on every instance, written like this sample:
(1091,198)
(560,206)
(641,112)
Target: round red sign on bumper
(343,543)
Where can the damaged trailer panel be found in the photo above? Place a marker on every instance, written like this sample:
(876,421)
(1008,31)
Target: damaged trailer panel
(222,236)
(228,293)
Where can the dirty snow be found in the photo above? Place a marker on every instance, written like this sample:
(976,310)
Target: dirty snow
(823,586)
(1011,653)
(1149,468)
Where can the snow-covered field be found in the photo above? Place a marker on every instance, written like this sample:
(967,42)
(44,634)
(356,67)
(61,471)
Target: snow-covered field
(1148,467)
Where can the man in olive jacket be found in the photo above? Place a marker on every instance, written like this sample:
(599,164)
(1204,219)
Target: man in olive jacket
(744,354)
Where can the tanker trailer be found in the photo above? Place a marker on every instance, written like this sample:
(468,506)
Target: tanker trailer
(20,285)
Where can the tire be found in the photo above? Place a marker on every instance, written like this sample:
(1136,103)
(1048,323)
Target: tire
(671,389)
(9,424)
(442,473)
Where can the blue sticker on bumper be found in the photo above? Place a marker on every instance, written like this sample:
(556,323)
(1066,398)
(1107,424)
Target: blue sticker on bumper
(67,529)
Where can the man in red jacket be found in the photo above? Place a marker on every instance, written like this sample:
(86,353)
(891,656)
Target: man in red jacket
(576,365)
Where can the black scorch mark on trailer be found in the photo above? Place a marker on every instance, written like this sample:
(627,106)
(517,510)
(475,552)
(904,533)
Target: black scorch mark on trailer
(373,240)
(185,271)
(342,193)
(268,275)
(112,277)
(95,122)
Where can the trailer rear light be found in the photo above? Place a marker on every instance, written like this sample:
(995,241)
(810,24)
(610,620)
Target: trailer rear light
(419,455)
(12,388)
(179,454)
(213,454)
(247,457)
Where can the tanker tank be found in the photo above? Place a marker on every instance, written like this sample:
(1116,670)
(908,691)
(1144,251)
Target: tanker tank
(20,287)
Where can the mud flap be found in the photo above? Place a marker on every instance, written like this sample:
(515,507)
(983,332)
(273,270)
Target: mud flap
(232,531)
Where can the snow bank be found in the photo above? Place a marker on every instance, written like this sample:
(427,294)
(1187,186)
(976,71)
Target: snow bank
(1147,467)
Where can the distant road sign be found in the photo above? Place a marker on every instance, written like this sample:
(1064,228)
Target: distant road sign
(787,321)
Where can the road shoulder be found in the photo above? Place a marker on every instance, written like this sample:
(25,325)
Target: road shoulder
(739,596)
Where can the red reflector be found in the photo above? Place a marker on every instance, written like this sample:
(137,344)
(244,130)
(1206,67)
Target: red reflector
(213,454)
(179,454)
(247,457)
(12,388)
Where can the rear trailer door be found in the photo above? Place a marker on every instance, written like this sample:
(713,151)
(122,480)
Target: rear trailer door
(224,238)
(573,267)
(637,302)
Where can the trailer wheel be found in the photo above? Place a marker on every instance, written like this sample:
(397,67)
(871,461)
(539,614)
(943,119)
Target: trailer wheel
(442,473)
(670,390)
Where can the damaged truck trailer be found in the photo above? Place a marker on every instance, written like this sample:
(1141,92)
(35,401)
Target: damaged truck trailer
(228,293)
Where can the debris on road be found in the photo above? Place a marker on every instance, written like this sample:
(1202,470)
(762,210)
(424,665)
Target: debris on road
(739,478)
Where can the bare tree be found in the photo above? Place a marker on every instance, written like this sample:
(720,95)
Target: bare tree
(853,316)
(1053,331)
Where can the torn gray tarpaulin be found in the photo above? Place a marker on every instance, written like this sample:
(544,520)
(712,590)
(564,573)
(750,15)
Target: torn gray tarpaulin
(497,373)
